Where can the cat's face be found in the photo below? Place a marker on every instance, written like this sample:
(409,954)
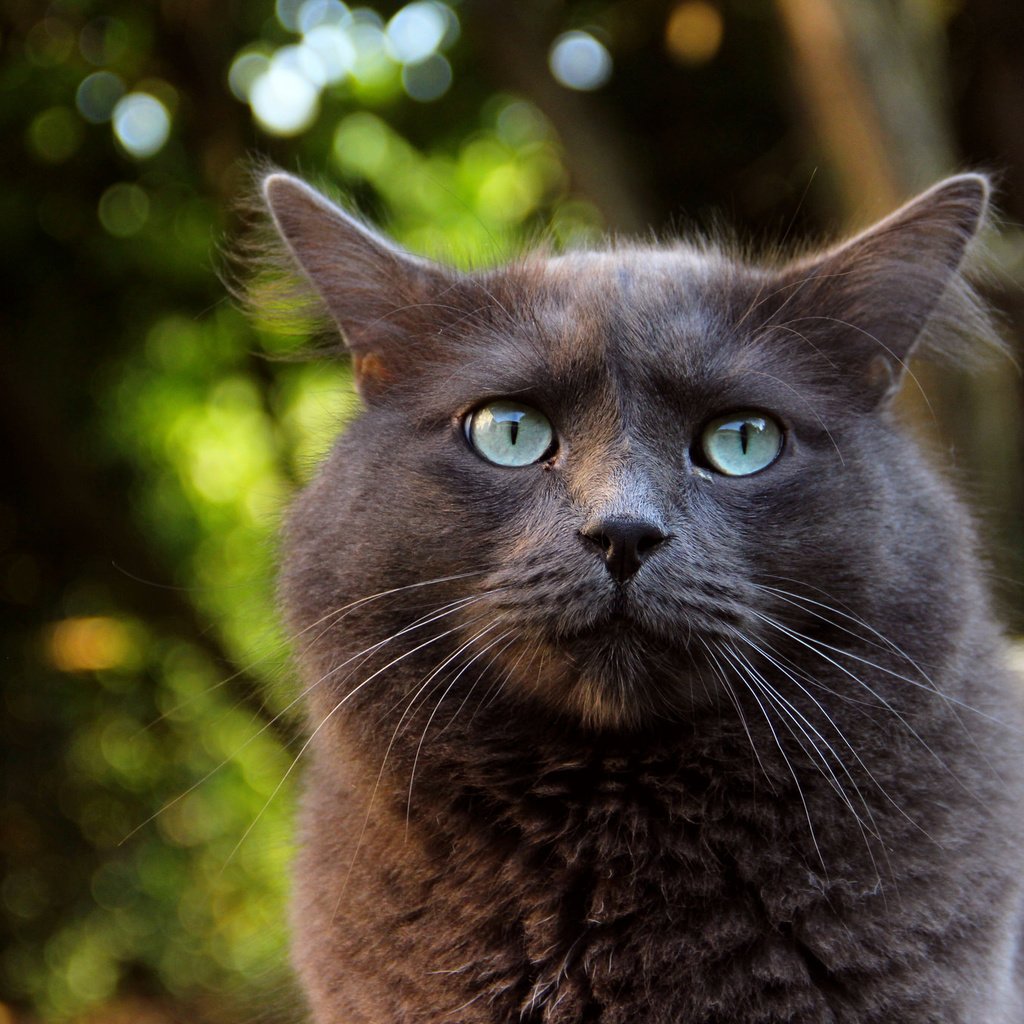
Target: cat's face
(619,463)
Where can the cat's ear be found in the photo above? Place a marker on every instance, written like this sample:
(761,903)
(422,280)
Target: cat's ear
(868,301)
(370,286)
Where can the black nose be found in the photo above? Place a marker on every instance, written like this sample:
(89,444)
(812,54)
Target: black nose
(625,543)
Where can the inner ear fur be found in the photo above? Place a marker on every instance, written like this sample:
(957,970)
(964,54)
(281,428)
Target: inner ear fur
(370,286)
(867,302)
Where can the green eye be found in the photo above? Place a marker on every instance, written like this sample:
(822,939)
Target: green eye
(509,434)
(741,443)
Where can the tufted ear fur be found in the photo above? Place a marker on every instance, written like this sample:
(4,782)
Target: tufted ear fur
(869,301)
(371,287)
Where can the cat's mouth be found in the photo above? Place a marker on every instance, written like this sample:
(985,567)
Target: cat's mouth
(617,658)
(622,633)
(620,623)
(621,618)
(620,669)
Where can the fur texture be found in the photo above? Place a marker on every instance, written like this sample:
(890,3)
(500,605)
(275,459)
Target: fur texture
(772,776)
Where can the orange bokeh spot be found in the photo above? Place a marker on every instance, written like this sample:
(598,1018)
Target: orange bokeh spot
(88,644)
(693,33)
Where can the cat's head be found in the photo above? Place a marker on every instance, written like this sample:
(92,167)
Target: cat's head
(611,481)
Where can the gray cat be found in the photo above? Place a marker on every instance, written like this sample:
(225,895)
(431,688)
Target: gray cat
(650,670)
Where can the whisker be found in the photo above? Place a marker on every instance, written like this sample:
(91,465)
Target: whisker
(387,753)
(330,714)
(813,647)
(433,673)
(482,703)
(479,654)
(488,700)
(335,615)
(883,642)
(444,611)
(476,682)
(951,702)
(728,654)
(804,724)
(816,757)
(842,736)
(731,692)
(430,719)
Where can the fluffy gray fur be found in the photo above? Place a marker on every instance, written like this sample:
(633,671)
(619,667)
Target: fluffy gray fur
(772,773)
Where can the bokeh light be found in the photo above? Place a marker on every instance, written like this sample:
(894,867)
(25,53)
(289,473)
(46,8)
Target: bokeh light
(302,61)
(123,209)
(333,49)
(427,80)
(141,123)
(374,66)
(49,42)
(416,31)
(97,96)
(55,135)
(579,61)
(284,100)
(244,70)
(693,33)
(103,41)
(89,644)
(287,12)
(342,48)
(314,13)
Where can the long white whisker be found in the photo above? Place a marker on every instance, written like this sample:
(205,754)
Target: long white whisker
(728,653)
(387,753)
(335,616)
(423,621)
(813,647)
(929,686)
(490,646)
(813,734)
(312,736)
(430,719)
(433,673)
(950,702)
(483,701)
(488,698)
(724,679)
(476,682)
(882,643)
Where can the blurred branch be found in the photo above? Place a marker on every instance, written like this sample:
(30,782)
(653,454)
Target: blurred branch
(839,106)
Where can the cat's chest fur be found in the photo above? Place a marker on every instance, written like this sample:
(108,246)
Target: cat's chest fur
(686,886)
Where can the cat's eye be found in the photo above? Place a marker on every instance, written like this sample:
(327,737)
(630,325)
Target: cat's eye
(510,434)
(741,443)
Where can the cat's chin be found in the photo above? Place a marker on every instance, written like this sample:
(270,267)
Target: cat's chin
(613,675)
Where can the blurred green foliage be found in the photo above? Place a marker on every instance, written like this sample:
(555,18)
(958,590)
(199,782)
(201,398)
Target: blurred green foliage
(154,435)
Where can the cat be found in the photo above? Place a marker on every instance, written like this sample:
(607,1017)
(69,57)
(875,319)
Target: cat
(650,669)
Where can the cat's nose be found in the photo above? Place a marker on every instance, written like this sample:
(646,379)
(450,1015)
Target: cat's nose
(624,543)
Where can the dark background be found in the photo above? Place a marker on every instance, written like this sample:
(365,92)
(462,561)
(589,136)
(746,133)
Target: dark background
(151,435)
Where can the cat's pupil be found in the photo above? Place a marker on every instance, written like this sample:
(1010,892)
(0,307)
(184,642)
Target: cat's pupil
(513,429)
(744,436)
